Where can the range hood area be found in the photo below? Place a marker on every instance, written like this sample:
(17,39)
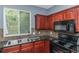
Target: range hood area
(35,30)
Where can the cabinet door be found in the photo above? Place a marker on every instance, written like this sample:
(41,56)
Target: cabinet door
(40,22)
(46,22)
(39,47)
(13,49)
(47,46)
(27,48)
(69,14)
(37,22)
(43,22)
(77,18)
(50,22)
(58,16)
(36,49)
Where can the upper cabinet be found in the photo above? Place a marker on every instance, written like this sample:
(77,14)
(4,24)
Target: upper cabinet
(40,22)
(69,14)
(43,22)
(58,16)
(47,22)
(50,22)
(77,18)
(16,22)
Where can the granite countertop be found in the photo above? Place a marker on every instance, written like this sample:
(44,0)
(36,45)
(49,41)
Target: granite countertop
(31,38)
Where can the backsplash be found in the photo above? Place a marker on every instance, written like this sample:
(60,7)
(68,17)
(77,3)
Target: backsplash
(1,35)
(47,32)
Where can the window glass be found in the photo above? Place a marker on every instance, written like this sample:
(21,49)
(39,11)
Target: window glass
(24,22)
(11,17)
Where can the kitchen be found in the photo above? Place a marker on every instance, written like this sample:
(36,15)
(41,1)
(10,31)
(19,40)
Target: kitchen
(39,29)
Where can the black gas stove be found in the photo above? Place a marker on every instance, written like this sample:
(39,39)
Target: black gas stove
(64,44)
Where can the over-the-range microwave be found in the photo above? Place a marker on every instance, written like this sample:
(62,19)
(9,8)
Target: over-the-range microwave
(64,26)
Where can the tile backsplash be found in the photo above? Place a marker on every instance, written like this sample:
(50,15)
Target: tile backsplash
(47,32)
(1,35)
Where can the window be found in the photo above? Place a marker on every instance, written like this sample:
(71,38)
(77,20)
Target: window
(16,22)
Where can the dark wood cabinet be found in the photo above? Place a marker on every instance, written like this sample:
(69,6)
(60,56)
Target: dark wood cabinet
(12,49)
(73,14)
(77,18)
(27,48)
(40,22)
(69,14)
(42,47)
(53,18)
(50,22)
(47,46)
(43,22)
(36,49)
(39,47)
(58,16)
(47,22)
(37,23)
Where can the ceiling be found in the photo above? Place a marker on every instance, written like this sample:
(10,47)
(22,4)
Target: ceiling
(45,6)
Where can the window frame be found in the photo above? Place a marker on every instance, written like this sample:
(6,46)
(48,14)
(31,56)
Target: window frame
(5,27)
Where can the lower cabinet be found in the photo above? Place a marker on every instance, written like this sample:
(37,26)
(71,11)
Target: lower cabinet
(27,48)
(46,46)
(12,49)
(36,49)
(39,47)
(42,47)
(32,47)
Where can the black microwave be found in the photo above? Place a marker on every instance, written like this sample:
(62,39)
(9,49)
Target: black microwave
(64,26)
